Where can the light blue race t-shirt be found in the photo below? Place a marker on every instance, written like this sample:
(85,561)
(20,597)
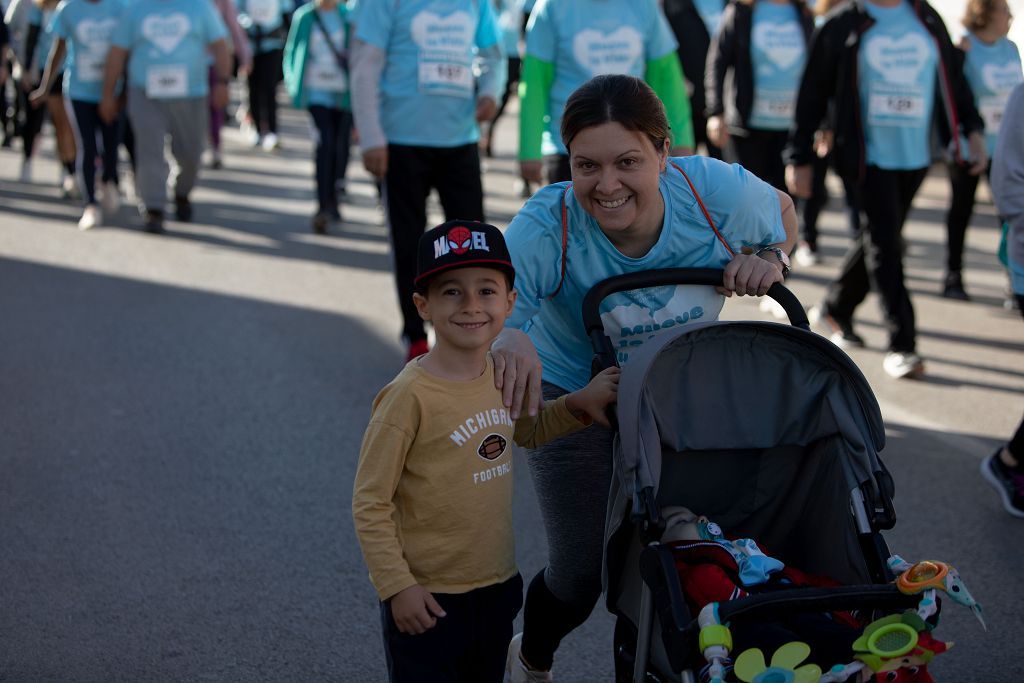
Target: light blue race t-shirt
(710,12)
(44,20)
(777,52)
(897,64)
(87,28)
(745,210)
(510,21)
(325,81)
(167,41)
(263,22)
(430,46)
(992,71)
(587,38)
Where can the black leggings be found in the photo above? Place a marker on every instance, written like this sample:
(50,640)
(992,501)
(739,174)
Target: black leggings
(266,71)
(961,206)
(876,259)
(760,152)
(334,126)
(88,123)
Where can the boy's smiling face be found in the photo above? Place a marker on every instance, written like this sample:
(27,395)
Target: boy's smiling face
(467,307)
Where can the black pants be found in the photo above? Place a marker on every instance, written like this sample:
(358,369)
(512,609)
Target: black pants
(334,126)
(876,259)
(515,66)
(266,72)
(961,206)
(760,152)
(468,645)
(558,169)
(89,124)
(412,172)
(700,132)
(33,123)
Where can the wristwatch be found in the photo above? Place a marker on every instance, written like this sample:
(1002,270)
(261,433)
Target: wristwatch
(780,255)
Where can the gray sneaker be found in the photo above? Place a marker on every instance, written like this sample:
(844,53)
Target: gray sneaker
(1007,483)
(516,668)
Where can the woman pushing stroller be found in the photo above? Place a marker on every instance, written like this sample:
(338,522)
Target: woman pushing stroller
(630,207)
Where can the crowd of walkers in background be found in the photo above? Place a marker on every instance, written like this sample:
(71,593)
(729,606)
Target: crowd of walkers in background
(874,90)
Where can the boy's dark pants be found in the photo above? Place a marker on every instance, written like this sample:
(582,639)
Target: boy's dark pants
(412,171)
(466,646)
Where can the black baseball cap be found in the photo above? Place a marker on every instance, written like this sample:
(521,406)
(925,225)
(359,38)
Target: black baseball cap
(461,244)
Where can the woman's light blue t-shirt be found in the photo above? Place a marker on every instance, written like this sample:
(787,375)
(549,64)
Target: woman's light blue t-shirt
(777,52)
(325,81)
(587,38)
(898,66)
(430,47)
(87,28)
(268,17)
(167,42)
(745,210)
(710,12)
(992,71)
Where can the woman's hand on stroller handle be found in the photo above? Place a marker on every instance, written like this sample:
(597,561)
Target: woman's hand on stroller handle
(749,275)
(517,372)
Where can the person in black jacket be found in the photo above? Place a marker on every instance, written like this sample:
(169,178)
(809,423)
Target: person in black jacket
(883,71)
(751,77)
(694,22)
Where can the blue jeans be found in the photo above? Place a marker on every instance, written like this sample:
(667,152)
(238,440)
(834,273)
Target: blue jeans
(88,123)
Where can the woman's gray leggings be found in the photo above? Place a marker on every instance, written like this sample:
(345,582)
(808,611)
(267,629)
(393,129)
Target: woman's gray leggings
(572,476)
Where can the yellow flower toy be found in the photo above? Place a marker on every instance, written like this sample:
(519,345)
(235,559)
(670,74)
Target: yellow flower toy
(750,666)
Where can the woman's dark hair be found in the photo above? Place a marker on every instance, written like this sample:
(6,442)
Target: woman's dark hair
(625,100)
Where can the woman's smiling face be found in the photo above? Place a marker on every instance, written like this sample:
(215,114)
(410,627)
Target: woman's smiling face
(615,174)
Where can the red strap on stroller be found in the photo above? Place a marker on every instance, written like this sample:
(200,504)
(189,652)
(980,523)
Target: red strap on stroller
(565,226)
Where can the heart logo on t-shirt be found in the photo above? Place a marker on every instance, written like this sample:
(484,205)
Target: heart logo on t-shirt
(783,43)
(1002,79)
(898,60)
(608,53)
(95,34)
(166,32)
(432,32)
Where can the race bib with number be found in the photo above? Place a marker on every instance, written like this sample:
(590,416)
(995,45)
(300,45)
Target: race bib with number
(167,81)
(263,12)
(90,65)
(323,77)
(445,73)
(779,105)
(896,108)
(991,110)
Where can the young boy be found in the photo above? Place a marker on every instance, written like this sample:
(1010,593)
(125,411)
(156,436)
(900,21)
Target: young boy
(432,500)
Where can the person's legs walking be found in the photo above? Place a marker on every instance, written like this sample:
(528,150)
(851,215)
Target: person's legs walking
(458,183)
(187,124)
(324,156)
(148,117)
(406,187)
(963,186)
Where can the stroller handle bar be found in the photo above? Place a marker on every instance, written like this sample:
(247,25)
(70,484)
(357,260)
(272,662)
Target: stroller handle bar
(659,277)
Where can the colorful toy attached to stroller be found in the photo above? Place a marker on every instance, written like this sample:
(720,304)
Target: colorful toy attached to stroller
(770,435)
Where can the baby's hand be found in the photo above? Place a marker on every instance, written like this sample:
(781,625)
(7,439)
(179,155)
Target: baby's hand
(592,399)
(415,610)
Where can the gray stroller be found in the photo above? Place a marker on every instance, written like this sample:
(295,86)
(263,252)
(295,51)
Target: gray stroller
(767,429)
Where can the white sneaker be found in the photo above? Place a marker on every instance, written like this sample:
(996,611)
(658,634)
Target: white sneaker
(90,217)
(110,198)
(516,669)
(270,142)
(770,305)
(26,171)
(805,256)
(68,186)
(898,365)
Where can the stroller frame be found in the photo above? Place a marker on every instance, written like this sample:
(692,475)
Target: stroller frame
(634,517)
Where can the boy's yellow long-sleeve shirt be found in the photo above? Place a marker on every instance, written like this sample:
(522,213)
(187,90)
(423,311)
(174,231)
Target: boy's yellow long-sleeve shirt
(432,499)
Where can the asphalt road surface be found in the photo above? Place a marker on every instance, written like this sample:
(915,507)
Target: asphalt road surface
(180,418)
